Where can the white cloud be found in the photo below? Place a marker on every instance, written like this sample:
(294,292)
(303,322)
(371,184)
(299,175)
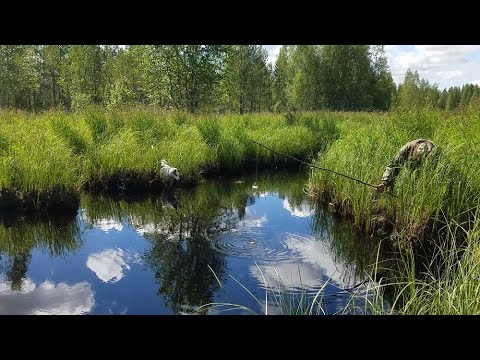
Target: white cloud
(147,228)
(316,264)
(108,224)
(476,82)
(46,299)
(108,265)
(445,65)
(163,229)
(304,210)
(251,220)
(450,74)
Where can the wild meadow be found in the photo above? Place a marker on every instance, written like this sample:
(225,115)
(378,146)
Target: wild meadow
(100,118)
(60,154)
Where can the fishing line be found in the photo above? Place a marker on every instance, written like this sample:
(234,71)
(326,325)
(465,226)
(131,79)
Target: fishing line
(316,167)
(255,186)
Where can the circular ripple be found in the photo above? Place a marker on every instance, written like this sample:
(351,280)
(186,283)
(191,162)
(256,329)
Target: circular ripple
(260,246)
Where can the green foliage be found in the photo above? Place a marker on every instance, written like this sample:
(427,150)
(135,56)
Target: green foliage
(214,78)
(444,186)
(210,130)
(19,76)
(281,81)
(246,80)
(97,123)
(416,92)
(72,136)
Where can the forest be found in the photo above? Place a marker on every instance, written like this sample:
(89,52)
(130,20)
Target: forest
(215,78)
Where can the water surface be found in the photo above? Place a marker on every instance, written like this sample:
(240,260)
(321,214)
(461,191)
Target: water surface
(220,242)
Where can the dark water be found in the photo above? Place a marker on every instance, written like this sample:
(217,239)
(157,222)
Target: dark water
(168,255)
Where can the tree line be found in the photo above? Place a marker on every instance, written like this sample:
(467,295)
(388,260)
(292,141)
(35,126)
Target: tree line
(220,78)
(417,92)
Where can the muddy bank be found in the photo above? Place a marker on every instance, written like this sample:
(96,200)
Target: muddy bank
(131,183)
(430,230)
(381,224)
(128,185)
(33,205)
(125,183)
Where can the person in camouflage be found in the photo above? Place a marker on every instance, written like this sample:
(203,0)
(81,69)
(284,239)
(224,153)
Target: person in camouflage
(414,151)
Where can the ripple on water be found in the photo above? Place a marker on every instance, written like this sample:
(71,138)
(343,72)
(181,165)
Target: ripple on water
(259,244)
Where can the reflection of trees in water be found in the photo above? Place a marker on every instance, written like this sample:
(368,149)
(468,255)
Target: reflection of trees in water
(179,227)
(17,270)
(58,237)
(181,252)
(181,269)
(357,253)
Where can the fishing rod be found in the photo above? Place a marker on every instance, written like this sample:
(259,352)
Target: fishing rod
(316,167)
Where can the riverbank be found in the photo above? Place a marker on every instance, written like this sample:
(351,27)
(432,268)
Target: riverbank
(120,151)
(432,215)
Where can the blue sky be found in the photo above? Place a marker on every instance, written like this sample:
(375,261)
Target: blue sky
(444,65)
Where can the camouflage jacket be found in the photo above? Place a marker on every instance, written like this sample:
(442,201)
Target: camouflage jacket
(413,151)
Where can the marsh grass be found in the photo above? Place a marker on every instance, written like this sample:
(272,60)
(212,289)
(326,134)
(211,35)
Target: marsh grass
(436,203)
(448,283)
(442,186)
(61,152)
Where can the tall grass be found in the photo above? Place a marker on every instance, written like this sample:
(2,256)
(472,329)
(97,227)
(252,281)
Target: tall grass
(34,158)
(55,151)
(449,282)
(435,204)
(443,186)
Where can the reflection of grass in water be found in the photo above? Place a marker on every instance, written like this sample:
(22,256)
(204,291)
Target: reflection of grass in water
(19,240)
(355,251)
(58,239)
(98,208)
(203,206)
(366,300)
(288,303)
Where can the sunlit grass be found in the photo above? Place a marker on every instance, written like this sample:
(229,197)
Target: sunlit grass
(439,199)
(62,152)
